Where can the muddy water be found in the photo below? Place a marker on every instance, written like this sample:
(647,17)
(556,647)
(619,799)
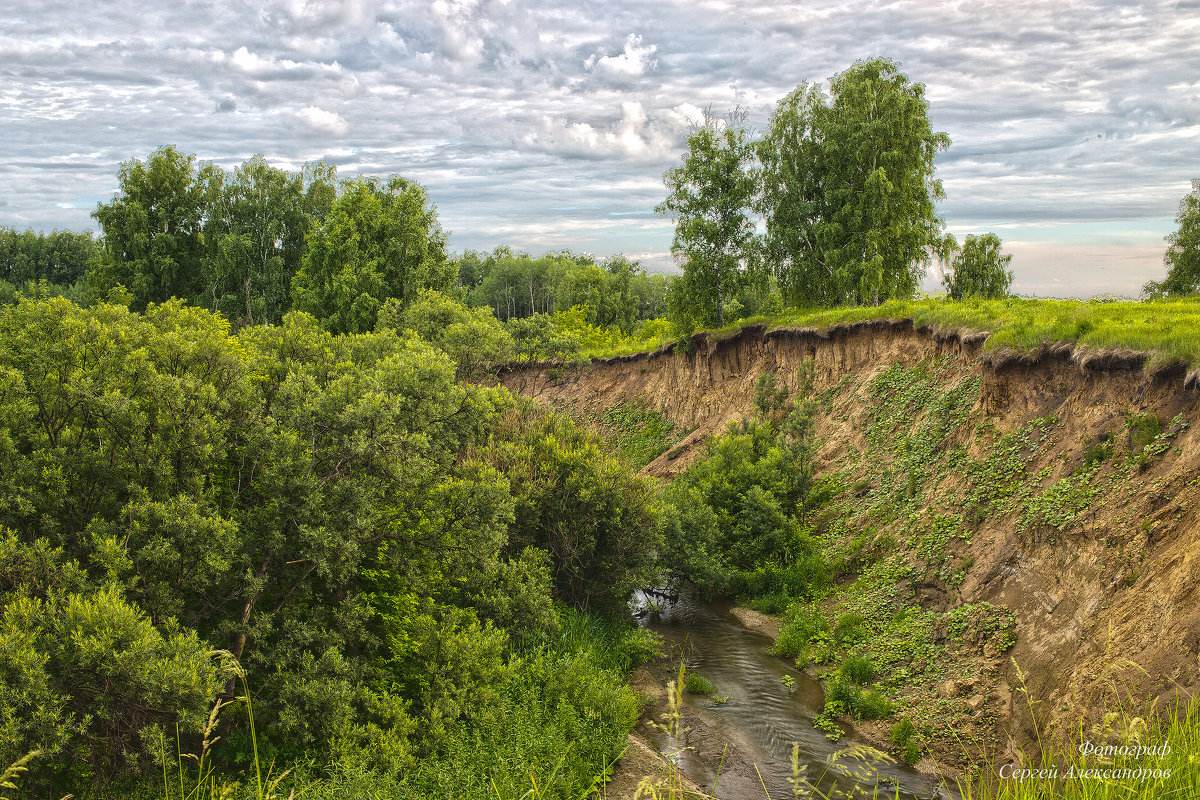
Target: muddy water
(755,728)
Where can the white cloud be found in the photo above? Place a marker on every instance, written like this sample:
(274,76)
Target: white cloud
(1061,113)
(633,60)
(323,121)
(633,136)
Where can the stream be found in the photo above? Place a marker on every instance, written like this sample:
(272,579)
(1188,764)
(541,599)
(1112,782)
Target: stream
(761,717)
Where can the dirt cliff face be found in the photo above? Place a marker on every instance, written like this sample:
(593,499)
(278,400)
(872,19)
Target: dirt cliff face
(1068,481)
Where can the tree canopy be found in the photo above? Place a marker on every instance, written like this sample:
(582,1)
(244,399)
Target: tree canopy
(849,188)
(711,196)
(978,269)
(1183,250)
(364,533)
(381,240)
(154,228)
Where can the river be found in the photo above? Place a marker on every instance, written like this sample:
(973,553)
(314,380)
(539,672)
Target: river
(762,716)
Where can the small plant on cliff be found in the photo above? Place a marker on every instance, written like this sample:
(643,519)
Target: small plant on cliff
(903,738)
(859,669)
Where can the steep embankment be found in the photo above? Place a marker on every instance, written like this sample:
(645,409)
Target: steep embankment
(1061,485)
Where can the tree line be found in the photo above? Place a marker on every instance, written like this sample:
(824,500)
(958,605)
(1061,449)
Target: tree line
(844,186)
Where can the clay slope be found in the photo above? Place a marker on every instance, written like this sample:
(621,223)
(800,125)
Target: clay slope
(1093,588)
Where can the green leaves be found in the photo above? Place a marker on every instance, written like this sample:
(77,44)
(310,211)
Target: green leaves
(1183,250)
(848,188)
(379,241)
(153,229)
(598,520)
(740,511)
(91,673)
(979,269)
(710,197)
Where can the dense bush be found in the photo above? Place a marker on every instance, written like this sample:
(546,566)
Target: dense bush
(373,541)
(741,512)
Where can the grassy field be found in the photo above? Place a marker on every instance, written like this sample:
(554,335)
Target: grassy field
(1168,329)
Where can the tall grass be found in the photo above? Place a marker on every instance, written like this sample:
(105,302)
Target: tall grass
(1131,754)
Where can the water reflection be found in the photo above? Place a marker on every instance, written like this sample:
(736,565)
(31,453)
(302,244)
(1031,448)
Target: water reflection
(767,708)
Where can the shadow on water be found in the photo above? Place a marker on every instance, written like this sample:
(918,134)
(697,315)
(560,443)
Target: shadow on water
(762,715)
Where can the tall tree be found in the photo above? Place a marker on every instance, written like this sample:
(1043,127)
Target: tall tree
(1183,250)
(979,269)
(153,228)
(380,240)
(711,196)
(255,236)
(849,188)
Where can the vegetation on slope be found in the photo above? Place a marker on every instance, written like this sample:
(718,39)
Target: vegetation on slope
(371,542)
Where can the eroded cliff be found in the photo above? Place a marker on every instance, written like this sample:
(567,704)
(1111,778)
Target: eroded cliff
(1060,484)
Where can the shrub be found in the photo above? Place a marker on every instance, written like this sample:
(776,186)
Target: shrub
(902,732)
(844,692)
(803,625)
(696,683)
(849,628)
(1143,430)
(903,737)
(872,705)
(863,705)
(1097,451)
(774,603)
(859,669)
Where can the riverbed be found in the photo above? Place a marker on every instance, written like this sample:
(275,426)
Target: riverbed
(740,740)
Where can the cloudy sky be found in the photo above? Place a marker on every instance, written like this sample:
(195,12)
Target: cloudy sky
(548,125)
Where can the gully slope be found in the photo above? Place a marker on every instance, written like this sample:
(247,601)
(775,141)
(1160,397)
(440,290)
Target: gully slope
(1059,486)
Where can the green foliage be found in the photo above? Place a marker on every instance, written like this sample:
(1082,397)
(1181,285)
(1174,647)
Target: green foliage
(638,434)
(902,732)
(738,519)
(613,295)
(1143,430)
(1183,250)
(872,704)
(842,693)
(60,257)
(849,189)
(1125,772)
(709,196)
(381,240)
(599,522)
(471,337)
(256,222)
(375,541)
(87,678)
(979,269)
(153,229)
(827,721)
(858,669)
(849,628)
(1098,451)
(696,683)
(804,625)
(230,242)
(558,718)
(537,338)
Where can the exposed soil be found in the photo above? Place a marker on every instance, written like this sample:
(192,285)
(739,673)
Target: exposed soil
(1120,586)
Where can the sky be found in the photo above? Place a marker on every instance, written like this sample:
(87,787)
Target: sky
(548,125)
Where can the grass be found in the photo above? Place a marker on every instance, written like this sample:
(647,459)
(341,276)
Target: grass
(695,683)
(1132,754)
(1169,329)
(638,434)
